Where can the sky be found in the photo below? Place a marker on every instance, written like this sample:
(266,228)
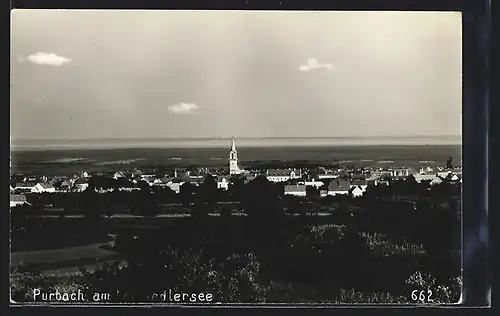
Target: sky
(176,74)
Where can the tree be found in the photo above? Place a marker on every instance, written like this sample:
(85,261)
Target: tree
(208,191)
(160,172)
(236,187)
(449,163)
(187,192)
(90,202)
(261,199)
(312,191)
(206,200)
(147,202)
(265,215)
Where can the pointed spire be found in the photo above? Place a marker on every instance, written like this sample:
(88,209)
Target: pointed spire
(233,146)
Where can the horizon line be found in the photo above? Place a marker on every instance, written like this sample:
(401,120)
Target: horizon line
(235,137)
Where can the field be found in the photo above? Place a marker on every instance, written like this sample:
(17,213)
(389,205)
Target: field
(72,161)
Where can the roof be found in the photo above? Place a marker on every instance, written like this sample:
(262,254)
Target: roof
(356,188)
(178,180)
(46,185)
(373,178)
(279,172)
(233,146)
(136,172)
(17,198)
(424,177)
(148,177)
(339,185)
(436,180)
(358,181)
(25,184)
(248,179)
(165,180)
(295,188)
(80,181)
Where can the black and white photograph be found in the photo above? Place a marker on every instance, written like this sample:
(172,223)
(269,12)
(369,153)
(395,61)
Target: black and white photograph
(220,158)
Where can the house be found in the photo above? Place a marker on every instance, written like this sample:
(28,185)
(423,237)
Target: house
(248,178)
(80,185)
(327,174)
(65,185)
(278,175)
(296,190)
(222,183)
(118,175)
(419,178)
(436,180)
(401,172)
(359,182)
(85,174)
(18,199)
(175,185)
(43,187)
(338,187)
(33,180)
(312,183)
(195,175)
(162,181)
(427,170)
(56,180)
(196,181)
(25,186)
(443,174)
(372,180)
(384,173)
(149,178)
(136,173)
(356,191)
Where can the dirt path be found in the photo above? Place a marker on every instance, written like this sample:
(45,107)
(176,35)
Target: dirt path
(69,257)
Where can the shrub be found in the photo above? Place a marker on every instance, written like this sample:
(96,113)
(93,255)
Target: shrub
(353,297)
(441,294)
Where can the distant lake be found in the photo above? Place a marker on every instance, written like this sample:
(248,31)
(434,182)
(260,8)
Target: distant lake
(61,144)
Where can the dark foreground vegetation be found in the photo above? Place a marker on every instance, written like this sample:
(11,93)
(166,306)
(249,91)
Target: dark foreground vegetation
(379,248)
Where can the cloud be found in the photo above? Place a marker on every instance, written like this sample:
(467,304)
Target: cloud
(183,108)
(312,64)
(49,59)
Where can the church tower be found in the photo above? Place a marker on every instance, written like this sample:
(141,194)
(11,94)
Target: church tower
(233,160)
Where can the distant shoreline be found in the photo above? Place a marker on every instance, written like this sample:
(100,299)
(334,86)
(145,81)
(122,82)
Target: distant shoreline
(241,142)
(241,146)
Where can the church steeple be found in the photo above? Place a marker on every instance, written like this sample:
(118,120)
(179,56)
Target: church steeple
(233,159)
(233,146)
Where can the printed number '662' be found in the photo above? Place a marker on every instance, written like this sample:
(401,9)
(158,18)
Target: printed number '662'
(422,296)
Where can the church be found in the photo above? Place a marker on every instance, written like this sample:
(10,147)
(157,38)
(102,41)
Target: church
(233,160)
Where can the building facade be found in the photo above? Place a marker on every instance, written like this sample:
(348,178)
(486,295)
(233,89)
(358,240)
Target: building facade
(296,190)
(233,160)
(281,175)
